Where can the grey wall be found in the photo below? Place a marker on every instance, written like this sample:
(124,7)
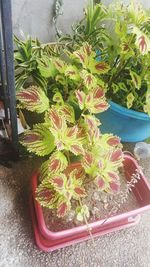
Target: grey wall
(34,17)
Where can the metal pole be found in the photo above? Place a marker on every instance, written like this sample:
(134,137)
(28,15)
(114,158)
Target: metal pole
(3,94)
(6,12)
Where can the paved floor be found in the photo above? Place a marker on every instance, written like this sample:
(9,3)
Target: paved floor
(126,248)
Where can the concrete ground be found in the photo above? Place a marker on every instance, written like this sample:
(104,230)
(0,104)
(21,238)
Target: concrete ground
(126,248)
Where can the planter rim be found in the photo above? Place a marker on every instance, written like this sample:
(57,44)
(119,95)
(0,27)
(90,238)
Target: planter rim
(98,223)
(129,112)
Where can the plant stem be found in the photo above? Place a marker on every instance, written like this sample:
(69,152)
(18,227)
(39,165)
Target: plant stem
(86,222)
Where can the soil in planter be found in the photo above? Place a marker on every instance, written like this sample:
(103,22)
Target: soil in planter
(101,206)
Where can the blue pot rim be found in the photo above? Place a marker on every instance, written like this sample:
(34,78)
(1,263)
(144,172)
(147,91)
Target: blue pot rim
(129,112)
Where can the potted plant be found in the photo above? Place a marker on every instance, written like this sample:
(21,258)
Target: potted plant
(79,161)
(128,50)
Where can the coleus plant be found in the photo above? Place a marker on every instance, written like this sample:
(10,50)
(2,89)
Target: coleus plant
(128,50)
(77,152)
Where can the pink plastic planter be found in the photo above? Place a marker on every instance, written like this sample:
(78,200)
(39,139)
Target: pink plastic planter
(51,245)
(48,240)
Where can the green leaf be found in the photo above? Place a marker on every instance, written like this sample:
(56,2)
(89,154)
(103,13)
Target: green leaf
(82,213)
(39,140)
(40,81)
(20,82)
(136,79)
(130,99)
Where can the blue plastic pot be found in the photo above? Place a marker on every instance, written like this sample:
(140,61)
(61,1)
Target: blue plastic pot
(129,125)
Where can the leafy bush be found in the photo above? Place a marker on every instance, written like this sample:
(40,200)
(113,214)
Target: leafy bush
(128,52)
(77,151)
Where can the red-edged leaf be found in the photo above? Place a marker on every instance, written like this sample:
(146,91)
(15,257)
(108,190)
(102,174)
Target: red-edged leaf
(80,191)
(115,187)
(62,209)
(58,181)
(46,196)
(88,158)
(68,112)
(113,141)
(77,149)
(54,165)
(99,93)
(113,176)
(81,98)
(100,182)
(116,155)
(80,173)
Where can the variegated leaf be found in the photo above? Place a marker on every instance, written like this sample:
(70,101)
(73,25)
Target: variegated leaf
(99,181)
(58,181)
(39,140)
(116,155)
(62,208)
(108,141)
(113,141)
(80,95)
(76,148)
(55,164)
(81,56)
(58,98)
(57,121)
(88,79)
(72,72)
(46,67)
(95,101)
(68,111)
(99,67)
(33,99)
(60,65)
(79,192)
(114,186)
(46,196)
(113,176)
(142,41)
(88,163)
